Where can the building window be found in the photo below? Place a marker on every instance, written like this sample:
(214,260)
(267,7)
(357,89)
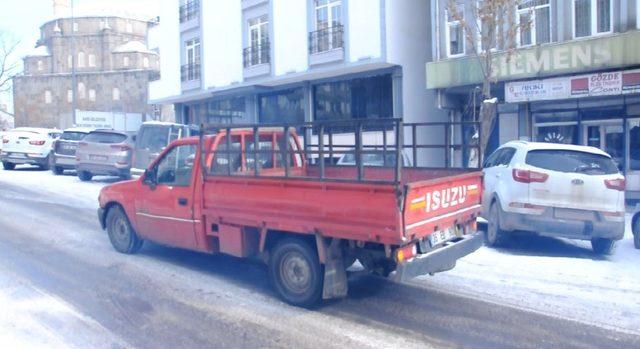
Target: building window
(92,95)
(75,26)
(40,66)
(125,61)
(455,31)
(145,62)
(225,110)
(47,97)
(189,10)
(363,98)
(282,106)
(92,60)
(258,51)
(70,61)
(81,91)
(534,17)
(81,62)
(116,94)
(129,27)
(69,96)
(329,33)
(191,70)
(591,17)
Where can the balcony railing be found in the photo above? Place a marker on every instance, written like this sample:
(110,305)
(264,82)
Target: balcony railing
(326,39)
(189,11)
(255,55)
(189,72)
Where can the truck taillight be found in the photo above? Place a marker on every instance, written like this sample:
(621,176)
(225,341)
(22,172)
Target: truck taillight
(406,253)
(36,142)
(121,147)
(528,176)
(615,184)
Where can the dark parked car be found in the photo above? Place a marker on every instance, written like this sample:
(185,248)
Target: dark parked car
(63,156)
(105,152)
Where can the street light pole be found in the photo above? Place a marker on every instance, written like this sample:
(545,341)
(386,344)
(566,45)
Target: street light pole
(74,78)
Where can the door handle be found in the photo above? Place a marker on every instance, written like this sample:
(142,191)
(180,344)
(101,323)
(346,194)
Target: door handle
(182,201)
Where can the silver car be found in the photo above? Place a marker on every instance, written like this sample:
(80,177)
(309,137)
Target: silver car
(105,152)
(151,140)
(63,155)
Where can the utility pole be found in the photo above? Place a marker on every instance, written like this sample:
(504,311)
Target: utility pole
(74,78)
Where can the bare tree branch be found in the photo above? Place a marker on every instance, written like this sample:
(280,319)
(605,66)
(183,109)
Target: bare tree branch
(7,66)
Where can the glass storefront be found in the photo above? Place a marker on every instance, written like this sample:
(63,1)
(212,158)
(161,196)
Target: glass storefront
(282,106)
(362,98)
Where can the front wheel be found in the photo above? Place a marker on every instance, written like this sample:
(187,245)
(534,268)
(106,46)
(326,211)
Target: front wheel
(8,165)
(494,236)
(602,246)
(121,234)
(296,273)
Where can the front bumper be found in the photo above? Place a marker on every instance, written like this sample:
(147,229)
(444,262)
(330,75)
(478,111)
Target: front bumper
(441,259)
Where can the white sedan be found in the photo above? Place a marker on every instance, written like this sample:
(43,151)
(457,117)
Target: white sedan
(555,190)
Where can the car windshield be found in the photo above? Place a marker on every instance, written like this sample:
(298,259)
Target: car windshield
(571,161)
(154,138)
(72,136)
(105,137)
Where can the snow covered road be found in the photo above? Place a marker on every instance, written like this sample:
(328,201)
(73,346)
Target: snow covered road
(63,285)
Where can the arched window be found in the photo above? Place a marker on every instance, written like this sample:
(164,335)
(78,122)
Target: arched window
(129,27)
(47,97)
(69,96)
(116,94)
(145,62)
(81,62)
(40,66)
(70,61)
(125,61)
(81,90)
(92,95)
(92,60)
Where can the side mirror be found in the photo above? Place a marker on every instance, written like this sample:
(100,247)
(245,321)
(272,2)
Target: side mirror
(150,178)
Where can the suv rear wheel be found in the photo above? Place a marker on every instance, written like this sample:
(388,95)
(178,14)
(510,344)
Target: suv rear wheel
(295,272)
(494,236)
(85,176)
(636,233)
(121,234)
(57,170)
(8,165)
(602,246)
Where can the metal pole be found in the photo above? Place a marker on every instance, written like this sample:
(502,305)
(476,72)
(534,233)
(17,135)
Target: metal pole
(74,78)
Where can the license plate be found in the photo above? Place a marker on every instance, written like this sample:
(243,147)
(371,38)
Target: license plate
(68,147)
(98,157)
(441,236)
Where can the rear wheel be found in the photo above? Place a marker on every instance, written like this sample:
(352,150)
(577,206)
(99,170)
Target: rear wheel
(122,236)
(636,233)
(602,246)
(494,236)
(46,164)
(85,176)
(295,272)
(8,165)
(57,170)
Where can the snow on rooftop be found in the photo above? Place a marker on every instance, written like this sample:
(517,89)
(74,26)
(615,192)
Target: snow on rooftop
(133,46)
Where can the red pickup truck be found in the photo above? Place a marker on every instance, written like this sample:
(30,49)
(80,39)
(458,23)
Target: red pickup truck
(308,219)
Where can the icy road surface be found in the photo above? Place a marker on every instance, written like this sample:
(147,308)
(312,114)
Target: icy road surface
(62,285)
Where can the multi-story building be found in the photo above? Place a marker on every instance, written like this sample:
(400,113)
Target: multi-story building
(272,61)
(571,79)
(106,57)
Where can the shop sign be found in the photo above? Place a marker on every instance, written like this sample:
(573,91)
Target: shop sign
(107,120)
(590,85)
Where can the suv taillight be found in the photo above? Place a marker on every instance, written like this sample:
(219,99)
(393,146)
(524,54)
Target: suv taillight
(528,176)
(4,140)
(615,184)
(36,142)
(121,147)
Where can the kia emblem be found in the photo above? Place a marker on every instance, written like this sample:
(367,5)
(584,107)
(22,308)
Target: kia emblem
(577,182)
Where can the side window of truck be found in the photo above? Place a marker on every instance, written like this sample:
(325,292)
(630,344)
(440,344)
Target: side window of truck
(227,159)
(176,166)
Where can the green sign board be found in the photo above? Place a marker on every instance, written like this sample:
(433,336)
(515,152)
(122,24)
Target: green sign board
(611,51)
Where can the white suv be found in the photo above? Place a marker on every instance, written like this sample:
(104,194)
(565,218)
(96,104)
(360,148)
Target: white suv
(27,145)
(555,190)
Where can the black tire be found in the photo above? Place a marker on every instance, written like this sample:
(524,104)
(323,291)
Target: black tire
(8,166)
(493,235)
(602,246)
(46,164)
(636,233)
(121,234)
(85,176)
(57,170)
(296,273)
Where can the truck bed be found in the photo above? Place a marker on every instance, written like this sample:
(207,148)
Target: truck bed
(374,211)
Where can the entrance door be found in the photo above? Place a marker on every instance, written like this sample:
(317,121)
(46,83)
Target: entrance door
(166,210)
(608,136)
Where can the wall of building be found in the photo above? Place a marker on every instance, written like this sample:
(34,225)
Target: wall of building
(221,42)
(290,36)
